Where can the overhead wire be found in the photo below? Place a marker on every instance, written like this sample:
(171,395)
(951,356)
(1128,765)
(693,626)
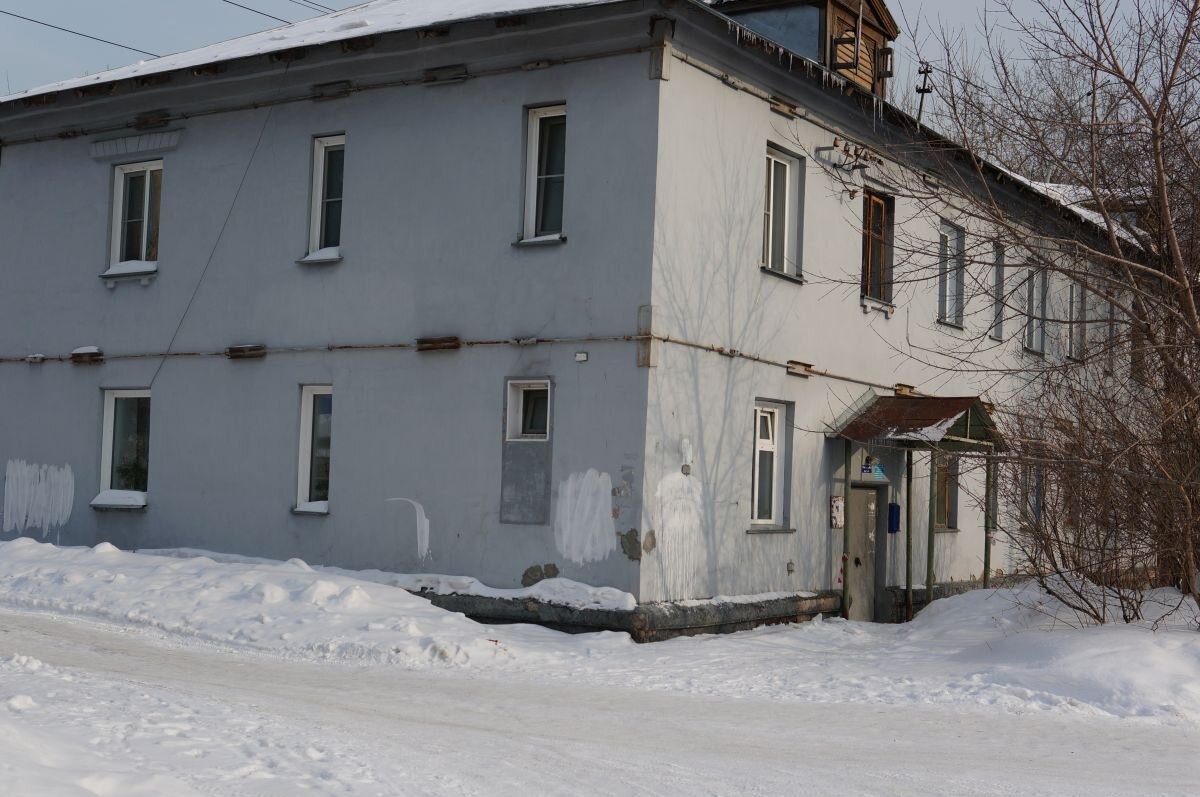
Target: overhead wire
(81,34)
(256,11)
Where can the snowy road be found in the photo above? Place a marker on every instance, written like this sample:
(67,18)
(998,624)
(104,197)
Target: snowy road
(176,717)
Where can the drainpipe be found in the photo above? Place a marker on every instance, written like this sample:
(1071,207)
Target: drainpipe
(932,527)
(989,519)
(846,534)
(908,592)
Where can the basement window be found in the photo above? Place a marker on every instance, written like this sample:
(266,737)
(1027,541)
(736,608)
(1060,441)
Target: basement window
(137,202)
(546,167)
(316,438)
(325,217)
(125,450)
(528,412)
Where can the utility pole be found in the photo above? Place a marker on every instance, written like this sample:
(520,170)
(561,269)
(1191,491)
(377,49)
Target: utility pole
(925,71)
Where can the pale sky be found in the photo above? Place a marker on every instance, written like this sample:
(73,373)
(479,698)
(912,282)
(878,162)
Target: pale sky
(31,55)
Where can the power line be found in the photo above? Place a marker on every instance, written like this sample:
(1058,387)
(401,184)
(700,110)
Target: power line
(314,6)
(256,11)
(77,33)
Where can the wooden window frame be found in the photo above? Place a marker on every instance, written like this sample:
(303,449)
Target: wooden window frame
(882,243)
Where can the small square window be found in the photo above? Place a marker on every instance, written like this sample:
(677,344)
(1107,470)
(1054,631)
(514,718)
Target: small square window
(137,202)
(528,410)
(325,221)
(546,168)
(316,441)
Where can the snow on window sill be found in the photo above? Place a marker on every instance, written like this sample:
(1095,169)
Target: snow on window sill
(330,254)
(144,270)
(542,240)
(119,501)
(870,303)
(311,508)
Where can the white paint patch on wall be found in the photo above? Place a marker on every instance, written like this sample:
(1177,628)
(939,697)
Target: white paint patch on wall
(682,554)
(583,522)
(422,528)
(37,496)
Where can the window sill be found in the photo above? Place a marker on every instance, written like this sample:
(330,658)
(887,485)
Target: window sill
(939,530)
(783,275)
(143,270)
(332,254)
(542,240)
(311,508)
(950,325)
(869,303)
(119,501)
(770,530)
(1041,355)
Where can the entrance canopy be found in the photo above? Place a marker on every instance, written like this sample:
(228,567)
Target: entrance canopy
(923,422)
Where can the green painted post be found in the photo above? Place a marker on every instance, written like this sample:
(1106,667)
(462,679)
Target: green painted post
(908,540)
(849,452)
(932,527)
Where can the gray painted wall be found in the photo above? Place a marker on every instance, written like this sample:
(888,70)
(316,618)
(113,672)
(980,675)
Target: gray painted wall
(433,202)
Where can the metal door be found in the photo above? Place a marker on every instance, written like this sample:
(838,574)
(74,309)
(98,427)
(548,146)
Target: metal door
(864,519)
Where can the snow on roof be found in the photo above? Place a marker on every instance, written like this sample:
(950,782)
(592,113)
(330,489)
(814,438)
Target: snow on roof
(375,17)
(1075,198)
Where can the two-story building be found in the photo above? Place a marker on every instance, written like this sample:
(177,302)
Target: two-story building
(601,289)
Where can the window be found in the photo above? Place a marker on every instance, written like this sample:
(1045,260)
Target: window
(546,163)
(997,330)
(1110,337)
(137,201)
(125,452)
(528,410)
(767,475)
(951,274)
(946,516)
(782,209)
(325,223)
(1036,283)
(1077,322)
(877,246)
(316,437)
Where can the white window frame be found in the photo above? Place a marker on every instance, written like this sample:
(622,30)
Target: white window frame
(533,142)
(793,210)
(777,414)
(1037,288)
(1077,321)
(515,409)
(952,267)
(118,216)
(321,146)
(304,471)
(106,443)
(996,332)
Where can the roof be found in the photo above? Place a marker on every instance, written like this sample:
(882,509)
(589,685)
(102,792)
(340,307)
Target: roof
(375,17)
(956,423)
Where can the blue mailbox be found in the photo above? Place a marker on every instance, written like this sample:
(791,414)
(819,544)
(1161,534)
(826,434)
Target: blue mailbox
(893,518)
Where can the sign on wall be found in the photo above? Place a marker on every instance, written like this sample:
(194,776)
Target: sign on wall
(837,512)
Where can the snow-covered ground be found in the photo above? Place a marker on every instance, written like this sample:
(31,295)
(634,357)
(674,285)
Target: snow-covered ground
(131,674)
